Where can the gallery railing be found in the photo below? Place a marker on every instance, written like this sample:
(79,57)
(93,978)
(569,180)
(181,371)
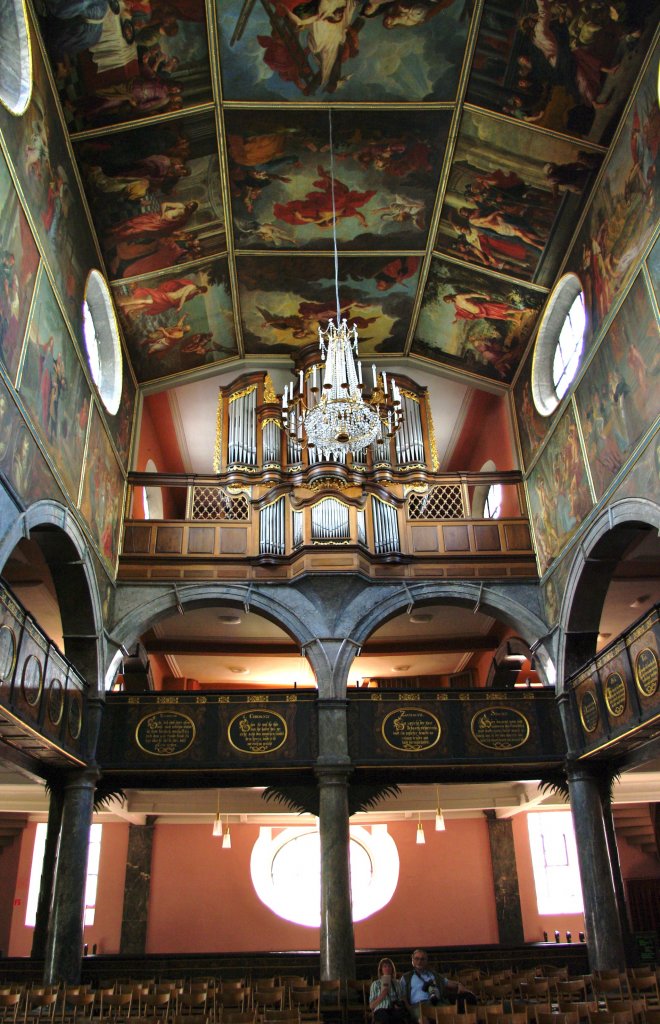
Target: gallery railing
(329,520)
(43,699)
(615,698)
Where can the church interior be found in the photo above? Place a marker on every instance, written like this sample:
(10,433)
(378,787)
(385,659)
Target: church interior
(225,633)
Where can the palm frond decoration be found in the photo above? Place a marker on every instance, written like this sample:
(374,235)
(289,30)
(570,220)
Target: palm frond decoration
(606,777)
(305,799)
(554,781)
(104,793)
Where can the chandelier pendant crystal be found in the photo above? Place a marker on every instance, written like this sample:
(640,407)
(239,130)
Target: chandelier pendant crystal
(335,418)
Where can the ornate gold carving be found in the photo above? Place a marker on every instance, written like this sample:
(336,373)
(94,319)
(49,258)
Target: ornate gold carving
(589,714)
(217,451)
(435,461)
(242,393)
(271,419)
(329,484)
(501,728)
(411,729)
(257,732)
(646,672)
(165,733)
(616,694)
(410,394)
(270,395)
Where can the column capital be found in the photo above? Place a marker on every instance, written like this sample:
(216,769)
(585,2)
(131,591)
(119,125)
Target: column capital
(86,778)
(333,773)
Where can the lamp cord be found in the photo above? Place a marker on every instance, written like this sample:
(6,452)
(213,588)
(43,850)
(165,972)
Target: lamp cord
(334,219)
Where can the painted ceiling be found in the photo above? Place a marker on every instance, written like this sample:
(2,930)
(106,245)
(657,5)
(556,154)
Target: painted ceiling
(457,141)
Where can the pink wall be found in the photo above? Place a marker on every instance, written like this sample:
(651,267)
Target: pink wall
(9,861)
(196,909)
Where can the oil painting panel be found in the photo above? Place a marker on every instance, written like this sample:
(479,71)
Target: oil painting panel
(568,67)
(505,197)
(121,424)
(386,168)
(473,321)
(558,491)
(177,321)
(103,492)
(21,459)
(378,50)
(54,388)
(532,426)
(45,173)
(623,216)
(653,264)
(284,298)
(19,261)
(155,195)
(619,396)
(119,60)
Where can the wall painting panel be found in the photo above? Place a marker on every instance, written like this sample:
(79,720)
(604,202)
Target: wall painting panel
(103,491)
(21,459)
(618,397)
(54,388)
(19,261)
(558,491)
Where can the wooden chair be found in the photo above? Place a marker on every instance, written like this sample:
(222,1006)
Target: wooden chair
(582,1008)
(646,987)
(307,1001)
(156,1005)
(40,1006)
(484,1009)
(233,997)
(330,995)
(356,999)
(116,1005)
(9,1006)
(194,1004)
(570,1017)
(286,1016)
(572,991)
(270,997)
(78,1006)
(239,1017)
(519,1017)
(536,991)
(611,1017)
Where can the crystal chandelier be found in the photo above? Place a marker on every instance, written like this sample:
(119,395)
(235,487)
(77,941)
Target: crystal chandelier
(335,418)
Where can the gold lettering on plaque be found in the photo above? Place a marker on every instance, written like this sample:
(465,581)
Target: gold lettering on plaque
(165,733)
(411,729)
(646,672)
(500,728)
(589,711)
(257,732)
(616,694)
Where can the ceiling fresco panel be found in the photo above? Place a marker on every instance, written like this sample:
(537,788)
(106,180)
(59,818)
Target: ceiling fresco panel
(567,66)
(283,299)
(473,321)
(118,61)
(507,188)
(386,170)
(378,50)
(155,195)
(174,323)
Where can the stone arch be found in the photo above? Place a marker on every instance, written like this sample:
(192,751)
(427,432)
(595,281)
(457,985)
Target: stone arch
(590,575)
(66,552)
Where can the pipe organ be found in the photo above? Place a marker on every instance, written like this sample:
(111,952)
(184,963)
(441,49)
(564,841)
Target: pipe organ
(386,527)
(330,522)
(272,528)
(249,435)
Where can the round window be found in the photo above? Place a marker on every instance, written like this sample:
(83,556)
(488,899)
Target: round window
(102,340)
(559,344)
(16,62)
(493,502)
(286,872)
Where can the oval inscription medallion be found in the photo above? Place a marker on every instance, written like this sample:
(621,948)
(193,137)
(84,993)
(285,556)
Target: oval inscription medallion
(257,732)
(165,733)
(646,672)
(616,694)
(589,711)
(411,729)
(500,728)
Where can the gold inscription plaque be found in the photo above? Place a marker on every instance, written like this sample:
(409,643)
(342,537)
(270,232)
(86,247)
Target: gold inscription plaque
(500,728)
(257,732)
(616,694)
(589,711)
(646,672)
(165,733)
(411,729)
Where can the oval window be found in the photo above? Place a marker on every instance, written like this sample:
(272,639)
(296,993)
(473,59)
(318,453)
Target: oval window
(559,344)
(102,341)
(16,57)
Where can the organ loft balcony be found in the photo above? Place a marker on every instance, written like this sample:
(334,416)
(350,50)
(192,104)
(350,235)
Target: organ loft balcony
(276,509)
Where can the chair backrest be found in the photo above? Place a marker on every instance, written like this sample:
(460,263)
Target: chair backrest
(239,1017)
(308,997)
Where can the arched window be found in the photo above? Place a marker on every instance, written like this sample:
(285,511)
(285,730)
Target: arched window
(559,344)
(152,496)
(102,340)
(487,500)
(15,57)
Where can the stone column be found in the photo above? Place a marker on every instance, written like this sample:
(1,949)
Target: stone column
(505,880)
(331,660)
(40,935)
(337,938)
(604,940)
(135,915)
(65,933)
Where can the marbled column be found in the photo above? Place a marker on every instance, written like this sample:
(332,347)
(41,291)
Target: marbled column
(135,915)
(604,940)
(505,880)
(40,936)
(65,932)
(337,938)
